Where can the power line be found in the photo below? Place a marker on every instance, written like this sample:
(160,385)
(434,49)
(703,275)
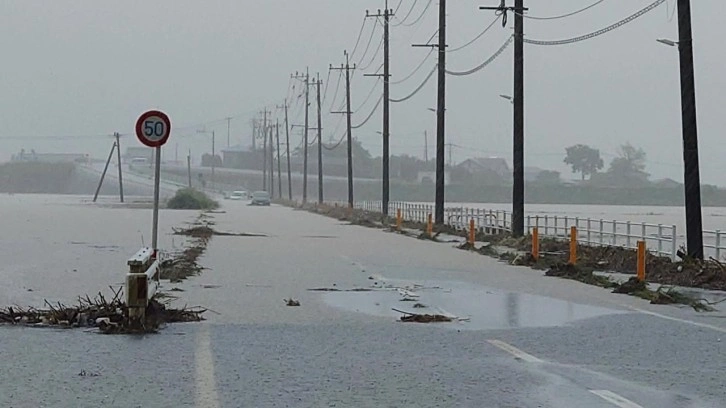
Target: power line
(409,96)
(370,115)
(360,33)
(373,58)
(485,63)
(598,32)
(563,15)
(335,146)
(373,88)
(337,87)
(423,13)
(407,14)
(477,37)
(415,69)
(373,32)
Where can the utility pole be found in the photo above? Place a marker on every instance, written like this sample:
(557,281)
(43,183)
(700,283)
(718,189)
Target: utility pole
(118,158)
(272,164)
(228,122)
(692,178)
(264,158)
(385,194)
(263,130)
(306,82)
(103,175)
(440,115)
(279,165)
(451,147)
(254,134)
(189,168)
(518,137)
(320,145)
(426,147)
(347,112)
(287,142)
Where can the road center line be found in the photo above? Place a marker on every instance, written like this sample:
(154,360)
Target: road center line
(206,396)
(515,351)
(675,319)
(615,399)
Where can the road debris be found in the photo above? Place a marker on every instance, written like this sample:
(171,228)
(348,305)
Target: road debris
(291,302)
(109,316)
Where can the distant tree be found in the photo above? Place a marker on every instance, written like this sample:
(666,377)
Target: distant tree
(583,159)
(548,177)
(630,161)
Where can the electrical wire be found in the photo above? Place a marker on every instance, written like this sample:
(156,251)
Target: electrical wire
(370,39)
(477,37)
(485,63)
(325,92)
(373,58)
(409,96)
(337,87)
(360,33)
(560,16)
(431,51)
(335,146)
(423,13)
(398,7)
(373,89)
(370,115)
(598,32)
(407,14)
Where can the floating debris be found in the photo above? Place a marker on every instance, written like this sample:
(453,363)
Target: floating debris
(291,302)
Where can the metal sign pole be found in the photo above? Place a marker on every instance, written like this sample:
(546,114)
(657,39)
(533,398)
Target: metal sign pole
(155,227)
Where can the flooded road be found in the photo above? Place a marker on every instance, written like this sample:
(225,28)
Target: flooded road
(524,340)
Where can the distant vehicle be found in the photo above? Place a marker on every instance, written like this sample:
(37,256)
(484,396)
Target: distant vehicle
(238,195)
(260,198)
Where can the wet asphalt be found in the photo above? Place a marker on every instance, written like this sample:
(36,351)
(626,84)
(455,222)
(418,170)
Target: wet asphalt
(525,340)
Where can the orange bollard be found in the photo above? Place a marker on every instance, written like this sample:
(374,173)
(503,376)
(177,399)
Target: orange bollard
(472,232)
(641,261)
(430,227)
(573,245)
(535,243)
(399,219)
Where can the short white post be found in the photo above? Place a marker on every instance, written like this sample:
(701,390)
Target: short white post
(718,245)
(660,239)
(601,231)
(627,233)
(615,233)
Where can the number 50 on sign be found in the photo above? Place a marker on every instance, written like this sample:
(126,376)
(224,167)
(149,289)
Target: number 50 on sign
(153,128)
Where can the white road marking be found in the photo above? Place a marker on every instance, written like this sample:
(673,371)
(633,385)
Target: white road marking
(615,399)
(206,396)
(515,351)
(675,319)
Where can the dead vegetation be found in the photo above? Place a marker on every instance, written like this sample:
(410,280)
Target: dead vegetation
(109,316)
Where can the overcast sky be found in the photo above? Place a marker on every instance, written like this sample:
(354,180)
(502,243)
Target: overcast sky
(73,72)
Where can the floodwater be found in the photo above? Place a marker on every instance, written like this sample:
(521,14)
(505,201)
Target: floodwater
(58,247)
(481,308)
(714,218)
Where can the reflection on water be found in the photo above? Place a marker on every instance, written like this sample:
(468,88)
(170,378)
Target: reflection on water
(485,307)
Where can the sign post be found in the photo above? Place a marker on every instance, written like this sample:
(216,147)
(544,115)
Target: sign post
(153,129)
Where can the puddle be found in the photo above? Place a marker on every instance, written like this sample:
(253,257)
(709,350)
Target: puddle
(486,308)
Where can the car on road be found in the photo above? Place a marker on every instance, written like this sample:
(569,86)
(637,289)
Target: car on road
(238,195)
(260,198)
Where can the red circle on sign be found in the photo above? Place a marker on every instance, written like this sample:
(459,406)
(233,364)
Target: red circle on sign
(148,130)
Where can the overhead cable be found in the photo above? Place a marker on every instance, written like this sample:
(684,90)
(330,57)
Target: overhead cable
(373,89)
(423,13)
(560,16)
(373,58)
(368,45)
(477,37)
(370,115)
(360,33)
(415,69)
(598,32)
(485,63)
(407,14)
(409,96)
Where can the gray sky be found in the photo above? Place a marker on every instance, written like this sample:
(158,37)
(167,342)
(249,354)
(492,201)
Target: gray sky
(76,71)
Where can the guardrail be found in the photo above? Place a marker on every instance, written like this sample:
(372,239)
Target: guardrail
(142,282)
(661,239)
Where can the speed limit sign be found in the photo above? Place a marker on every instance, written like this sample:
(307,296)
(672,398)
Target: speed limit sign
(153,128)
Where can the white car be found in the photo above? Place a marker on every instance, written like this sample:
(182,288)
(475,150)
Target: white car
(238,195)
